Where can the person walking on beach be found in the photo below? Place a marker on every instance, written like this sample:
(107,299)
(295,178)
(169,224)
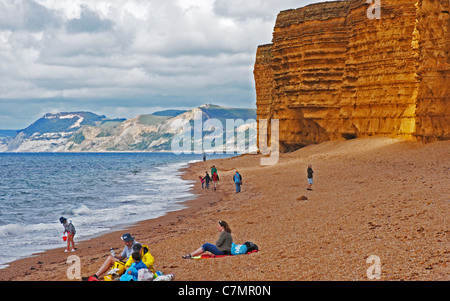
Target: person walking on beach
(310,172)
(222,245)
(69,228)
(213,169)
(202,180)
(215,176)
(215,179)
(237,179)
(207,179)
(129,242)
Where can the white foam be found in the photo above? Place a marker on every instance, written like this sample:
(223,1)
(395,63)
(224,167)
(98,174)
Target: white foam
(12,230)
(82,210)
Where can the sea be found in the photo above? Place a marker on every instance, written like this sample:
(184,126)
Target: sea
(98,192)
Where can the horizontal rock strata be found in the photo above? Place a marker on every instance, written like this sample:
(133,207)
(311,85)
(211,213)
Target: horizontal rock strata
(333,71)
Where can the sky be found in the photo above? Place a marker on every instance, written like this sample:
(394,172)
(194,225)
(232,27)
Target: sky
(124,58)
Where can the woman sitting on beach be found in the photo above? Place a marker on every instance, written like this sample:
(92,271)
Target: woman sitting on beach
(222,246)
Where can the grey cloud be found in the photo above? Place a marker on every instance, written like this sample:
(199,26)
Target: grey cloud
(89,21)
(26,15)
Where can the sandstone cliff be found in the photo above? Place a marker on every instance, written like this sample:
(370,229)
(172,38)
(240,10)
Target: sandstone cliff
(333,73)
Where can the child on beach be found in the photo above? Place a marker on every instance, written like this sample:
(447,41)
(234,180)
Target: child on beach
(131,274)
(69,228)
(310,172)
(202,180)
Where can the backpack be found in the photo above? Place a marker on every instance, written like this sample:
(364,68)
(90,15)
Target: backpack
(236,179)
(251,246)
(238,249)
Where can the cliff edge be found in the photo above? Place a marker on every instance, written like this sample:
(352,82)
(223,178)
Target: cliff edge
(333,72)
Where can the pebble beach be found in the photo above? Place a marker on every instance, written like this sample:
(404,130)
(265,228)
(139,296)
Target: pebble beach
(372,198)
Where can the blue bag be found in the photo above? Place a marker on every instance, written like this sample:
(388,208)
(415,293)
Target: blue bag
(238,249)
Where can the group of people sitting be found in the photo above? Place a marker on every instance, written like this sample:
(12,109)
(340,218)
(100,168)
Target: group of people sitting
(136,257)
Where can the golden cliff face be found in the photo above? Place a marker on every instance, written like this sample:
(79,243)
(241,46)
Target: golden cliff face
(432,35)
(333,73)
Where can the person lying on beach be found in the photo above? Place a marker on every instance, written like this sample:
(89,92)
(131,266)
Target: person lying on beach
(69,228)
(222,246)
(145,256)
(129,242)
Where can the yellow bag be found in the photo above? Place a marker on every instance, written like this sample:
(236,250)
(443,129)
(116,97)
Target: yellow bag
(121,269)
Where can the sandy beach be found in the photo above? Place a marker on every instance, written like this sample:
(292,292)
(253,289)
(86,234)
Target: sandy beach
(378,196)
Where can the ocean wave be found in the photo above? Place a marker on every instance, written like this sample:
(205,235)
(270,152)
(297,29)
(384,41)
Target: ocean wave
(20,229)
(82,210)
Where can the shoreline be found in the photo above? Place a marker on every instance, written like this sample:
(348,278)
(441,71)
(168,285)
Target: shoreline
(18,267)
(373,196)
(174,203)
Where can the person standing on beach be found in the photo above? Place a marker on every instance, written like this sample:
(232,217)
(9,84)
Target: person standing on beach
(214,175)
(202,180)
(222,245)
(69,228)
(129,242)
(215,179)
(237,179)
(310,172)
(207,179)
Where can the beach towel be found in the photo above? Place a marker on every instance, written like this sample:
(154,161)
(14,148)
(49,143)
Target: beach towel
(209,256)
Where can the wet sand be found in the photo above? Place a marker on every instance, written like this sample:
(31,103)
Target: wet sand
(377,196)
